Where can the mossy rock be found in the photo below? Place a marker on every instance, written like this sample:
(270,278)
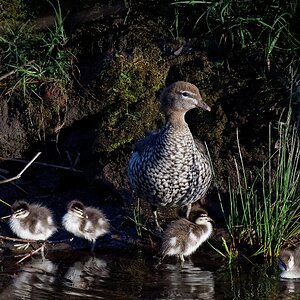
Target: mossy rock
(128,88)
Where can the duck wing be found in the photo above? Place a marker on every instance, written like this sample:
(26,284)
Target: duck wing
(150,138)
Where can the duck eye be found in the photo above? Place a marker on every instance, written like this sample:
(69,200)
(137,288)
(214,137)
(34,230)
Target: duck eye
(185,94)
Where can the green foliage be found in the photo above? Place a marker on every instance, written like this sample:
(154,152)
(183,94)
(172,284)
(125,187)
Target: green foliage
(12,12)
(258,25)
(35,57)
(128,85)
(2,201)
(264,207)
(137,218)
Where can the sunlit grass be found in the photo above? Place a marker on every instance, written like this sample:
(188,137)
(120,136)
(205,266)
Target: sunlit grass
(264,207)
(33,58)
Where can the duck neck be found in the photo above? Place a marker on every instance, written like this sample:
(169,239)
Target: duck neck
(177,119)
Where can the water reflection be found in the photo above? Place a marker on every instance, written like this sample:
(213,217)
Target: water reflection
(84,276)
(290,288)
(188,282)
(35,280)
(135,275)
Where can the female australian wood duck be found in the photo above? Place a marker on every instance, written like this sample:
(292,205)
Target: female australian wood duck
(169,168)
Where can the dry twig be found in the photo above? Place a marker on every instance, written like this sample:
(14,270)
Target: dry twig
(42,164)
(15,70)
(20,174)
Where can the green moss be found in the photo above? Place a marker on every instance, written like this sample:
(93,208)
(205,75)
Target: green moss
(12,13)
(128,87)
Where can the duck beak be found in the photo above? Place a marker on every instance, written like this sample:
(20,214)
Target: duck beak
(203,105)
(211,220)
(281,264)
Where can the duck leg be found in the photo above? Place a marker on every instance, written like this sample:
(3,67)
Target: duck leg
(154,210)
(181,259)
(93,247)
(188,210)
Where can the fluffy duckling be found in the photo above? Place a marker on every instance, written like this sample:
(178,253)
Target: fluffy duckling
(31,221)
(183,236)
(85,221)
(289,263)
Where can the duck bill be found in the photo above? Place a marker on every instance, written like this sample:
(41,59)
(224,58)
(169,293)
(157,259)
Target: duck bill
(211,220)
(203,105)
(282,264)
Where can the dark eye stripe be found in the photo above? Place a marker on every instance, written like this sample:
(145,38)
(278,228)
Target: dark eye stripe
(187,94)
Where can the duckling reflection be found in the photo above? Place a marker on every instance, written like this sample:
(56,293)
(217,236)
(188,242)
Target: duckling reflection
(184,236)
(189,280)
(34,279)
(289,263)
(85,221)
(85,274)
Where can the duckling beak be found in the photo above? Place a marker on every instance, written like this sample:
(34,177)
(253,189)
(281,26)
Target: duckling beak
(203,105)
(282,264)
(211,220)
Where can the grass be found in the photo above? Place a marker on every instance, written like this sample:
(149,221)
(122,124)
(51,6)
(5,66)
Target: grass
(32,58)
(264,207)
(137,218)
(266,26)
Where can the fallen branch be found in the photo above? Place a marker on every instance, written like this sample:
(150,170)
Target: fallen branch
(20,174)
(18,240)
(41,248)
(34,241)
(18,187)
(15,70)
(42,164)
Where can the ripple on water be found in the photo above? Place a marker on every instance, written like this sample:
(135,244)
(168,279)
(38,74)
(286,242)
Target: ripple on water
(136,275)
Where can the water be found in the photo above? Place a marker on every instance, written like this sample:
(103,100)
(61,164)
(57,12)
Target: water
(136,275)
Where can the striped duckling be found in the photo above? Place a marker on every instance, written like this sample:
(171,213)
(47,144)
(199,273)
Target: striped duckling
(289,263)
(184,236)
(85,221)
(169,168)
(32,222)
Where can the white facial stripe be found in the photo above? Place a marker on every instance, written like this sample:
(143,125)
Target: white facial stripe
(21,213)
(189,96)
(79,212)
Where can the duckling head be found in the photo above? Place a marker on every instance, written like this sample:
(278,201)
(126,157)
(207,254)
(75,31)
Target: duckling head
(20,210)
(286,260)
(77,208)
(200,217)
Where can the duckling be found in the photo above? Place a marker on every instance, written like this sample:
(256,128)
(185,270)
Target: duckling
(289,263)
(32,221)
(184,236)
(85,222)
(169,168)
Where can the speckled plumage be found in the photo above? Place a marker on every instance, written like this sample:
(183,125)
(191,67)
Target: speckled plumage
(169,168)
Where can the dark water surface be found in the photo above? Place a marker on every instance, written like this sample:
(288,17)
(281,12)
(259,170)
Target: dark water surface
(136,275)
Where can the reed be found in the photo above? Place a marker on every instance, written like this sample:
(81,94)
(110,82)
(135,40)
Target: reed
(264,207)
